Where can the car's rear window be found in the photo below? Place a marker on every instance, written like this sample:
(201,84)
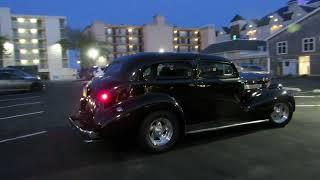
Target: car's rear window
(113,69)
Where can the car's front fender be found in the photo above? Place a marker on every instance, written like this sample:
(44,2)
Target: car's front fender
(264,100)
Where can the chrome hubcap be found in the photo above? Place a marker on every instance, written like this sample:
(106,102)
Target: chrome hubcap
(160,131)
(280,113)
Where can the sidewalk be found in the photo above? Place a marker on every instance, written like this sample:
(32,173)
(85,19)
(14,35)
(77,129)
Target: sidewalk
(300,84)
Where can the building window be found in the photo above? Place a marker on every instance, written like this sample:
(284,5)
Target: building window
(275,28)
(109,40)
(287,63)
(282,47)
(261,48)
(62,23)
(183,33)
(183,49)
(109,31)
(308,44)
(21,20)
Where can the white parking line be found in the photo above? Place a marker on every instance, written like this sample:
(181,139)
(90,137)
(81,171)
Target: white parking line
(20,115)
(316,91)
(2,100)
(305,96)
(292,89)
(16,105)
(303,105)
(17,94)
(24,136)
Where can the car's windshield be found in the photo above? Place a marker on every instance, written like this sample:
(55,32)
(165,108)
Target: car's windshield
(253,68)
(16,72)
(249,68)
(20,73)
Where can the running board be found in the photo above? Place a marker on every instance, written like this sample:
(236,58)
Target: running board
(223,127)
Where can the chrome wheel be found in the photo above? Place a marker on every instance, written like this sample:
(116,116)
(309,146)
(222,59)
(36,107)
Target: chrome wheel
(280,113)
(160,131)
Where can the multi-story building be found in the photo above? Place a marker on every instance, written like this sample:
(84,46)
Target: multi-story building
(295,50)
(261,29)
(157,36)
(33,41)
(119,40)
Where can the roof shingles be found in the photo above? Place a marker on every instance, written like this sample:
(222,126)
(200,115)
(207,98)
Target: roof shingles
(233,46)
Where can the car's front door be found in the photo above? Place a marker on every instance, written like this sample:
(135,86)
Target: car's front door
(17,82)
(175,78)
(4,81)
(219,87)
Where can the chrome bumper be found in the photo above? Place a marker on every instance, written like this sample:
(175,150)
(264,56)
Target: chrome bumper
(89,136)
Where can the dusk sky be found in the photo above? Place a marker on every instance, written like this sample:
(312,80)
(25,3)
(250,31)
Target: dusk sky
(178,12)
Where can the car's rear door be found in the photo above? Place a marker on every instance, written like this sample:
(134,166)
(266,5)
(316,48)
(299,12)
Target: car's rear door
(175,78)
(219,88)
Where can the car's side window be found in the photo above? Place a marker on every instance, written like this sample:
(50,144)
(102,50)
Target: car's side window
(148,74)
(167,71)
(214,70)
(174,70)
(14,76)
(4,76)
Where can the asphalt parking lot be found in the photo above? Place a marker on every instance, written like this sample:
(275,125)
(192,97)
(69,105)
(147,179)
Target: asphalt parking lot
(36,142)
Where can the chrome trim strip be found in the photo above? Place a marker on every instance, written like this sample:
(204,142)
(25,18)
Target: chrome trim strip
(228,126)
(88,134)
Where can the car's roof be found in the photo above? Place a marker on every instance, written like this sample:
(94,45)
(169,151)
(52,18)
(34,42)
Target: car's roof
(154,56)
(14,70)
(132,62)
(11,69)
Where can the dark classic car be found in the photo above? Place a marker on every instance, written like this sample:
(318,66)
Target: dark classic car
(159,97)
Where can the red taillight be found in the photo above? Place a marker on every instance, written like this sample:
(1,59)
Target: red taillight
(104,96)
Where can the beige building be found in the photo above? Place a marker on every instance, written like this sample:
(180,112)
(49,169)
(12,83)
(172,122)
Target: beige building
(33,41)
(158,36)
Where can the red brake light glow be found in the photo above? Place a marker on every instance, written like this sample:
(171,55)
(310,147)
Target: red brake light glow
(104,96)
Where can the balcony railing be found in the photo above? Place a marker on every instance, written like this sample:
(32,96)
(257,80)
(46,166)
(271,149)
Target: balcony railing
(28,36)
(30,46)
(27,26)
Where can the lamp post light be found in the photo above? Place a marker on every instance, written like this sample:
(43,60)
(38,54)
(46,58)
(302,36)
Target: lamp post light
(93,53)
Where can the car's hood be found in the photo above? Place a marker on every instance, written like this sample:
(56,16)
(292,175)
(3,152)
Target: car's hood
(254,76)
(31,78)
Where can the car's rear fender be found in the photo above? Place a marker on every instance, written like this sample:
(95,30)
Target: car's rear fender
(136,108)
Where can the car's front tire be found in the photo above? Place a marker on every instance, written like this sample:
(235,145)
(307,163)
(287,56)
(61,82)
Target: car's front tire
(159,131)
(36,87)
(281,114)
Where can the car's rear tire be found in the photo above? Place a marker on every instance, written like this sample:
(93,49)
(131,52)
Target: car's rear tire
(159,132)
(281,114)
